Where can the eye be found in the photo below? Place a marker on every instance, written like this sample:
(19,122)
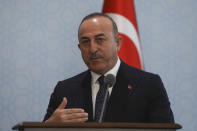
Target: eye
(85,42)
(100,40)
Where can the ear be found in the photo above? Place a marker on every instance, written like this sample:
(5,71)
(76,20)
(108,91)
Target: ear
(119,42)
(79,46)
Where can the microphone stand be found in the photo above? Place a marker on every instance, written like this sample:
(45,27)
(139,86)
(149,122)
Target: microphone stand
(104,105)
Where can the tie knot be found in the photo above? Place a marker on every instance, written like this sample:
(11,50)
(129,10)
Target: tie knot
(101,80)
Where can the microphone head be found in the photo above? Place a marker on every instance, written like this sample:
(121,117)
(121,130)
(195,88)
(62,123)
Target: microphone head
(110,80)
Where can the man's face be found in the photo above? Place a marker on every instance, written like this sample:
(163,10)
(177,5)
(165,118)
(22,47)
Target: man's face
(98,46)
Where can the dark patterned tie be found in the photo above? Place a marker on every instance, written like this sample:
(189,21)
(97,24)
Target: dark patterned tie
(100,98)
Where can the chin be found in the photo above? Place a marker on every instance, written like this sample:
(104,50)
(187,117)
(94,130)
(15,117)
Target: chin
(97,70)
(97,67)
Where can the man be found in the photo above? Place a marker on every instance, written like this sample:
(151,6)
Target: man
(137,96)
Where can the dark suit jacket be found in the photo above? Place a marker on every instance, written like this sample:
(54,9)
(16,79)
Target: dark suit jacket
(145,102)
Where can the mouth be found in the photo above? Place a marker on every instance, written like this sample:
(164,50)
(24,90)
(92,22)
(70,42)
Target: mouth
(96,59)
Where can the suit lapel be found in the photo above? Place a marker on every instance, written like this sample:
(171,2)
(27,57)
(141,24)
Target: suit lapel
(118,101)
(87,92)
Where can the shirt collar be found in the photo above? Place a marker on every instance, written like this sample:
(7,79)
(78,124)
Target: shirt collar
(113,71)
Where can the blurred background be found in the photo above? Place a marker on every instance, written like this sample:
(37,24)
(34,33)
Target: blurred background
(38,48)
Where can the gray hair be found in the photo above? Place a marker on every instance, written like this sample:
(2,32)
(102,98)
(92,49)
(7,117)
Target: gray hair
(96,14)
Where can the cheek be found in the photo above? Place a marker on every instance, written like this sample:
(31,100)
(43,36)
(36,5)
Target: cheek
(111,51)
(84,54)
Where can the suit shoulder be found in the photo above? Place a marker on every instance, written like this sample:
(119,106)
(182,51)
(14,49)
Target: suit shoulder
(76,78)
(145,80)
(131,71)
(73,82)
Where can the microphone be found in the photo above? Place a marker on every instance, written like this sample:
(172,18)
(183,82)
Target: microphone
(109,81)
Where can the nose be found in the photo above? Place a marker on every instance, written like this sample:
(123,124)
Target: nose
(93,47)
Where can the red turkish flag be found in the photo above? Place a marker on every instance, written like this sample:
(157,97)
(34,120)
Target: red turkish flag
(123,13)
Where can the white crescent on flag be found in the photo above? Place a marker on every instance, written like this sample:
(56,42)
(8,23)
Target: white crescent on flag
(127,28)
(123,13)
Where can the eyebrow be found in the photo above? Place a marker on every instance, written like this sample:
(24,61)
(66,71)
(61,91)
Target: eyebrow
(84,37)
(101,34)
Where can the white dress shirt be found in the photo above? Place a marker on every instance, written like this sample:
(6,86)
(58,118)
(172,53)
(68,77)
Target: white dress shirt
(95,83)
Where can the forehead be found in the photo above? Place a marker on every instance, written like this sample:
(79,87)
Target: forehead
(97,24)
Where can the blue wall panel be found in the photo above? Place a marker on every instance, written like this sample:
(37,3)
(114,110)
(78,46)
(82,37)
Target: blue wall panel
(38,47)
